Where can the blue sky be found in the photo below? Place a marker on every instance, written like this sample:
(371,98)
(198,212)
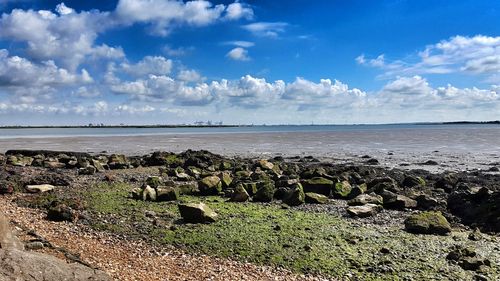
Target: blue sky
(273,62)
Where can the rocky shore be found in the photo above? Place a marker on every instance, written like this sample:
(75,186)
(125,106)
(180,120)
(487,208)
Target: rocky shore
(301,217)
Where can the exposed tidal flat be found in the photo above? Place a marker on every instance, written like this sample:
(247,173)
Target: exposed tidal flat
(292,217)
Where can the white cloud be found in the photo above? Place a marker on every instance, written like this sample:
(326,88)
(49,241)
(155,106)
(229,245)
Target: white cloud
(238,10)
(239,54)
(479,55)
(243,44)
(163,15)
(66,37)
(177,52)
(149,65)
(189,76)
(266,29)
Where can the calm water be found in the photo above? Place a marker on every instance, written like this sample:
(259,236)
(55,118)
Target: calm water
(455,145)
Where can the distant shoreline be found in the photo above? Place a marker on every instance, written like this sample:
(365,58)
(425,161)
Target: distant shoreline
(497,122)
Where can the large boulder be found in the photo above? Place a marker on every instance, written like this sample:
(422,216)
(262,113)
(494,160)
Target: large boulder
(319,185)
(295,196)
(17,264)
(211,185)
(197,213)
(427,223)
(315,198)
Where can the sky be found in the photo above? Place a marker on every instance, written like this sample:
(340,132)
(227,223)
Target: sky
(248,62)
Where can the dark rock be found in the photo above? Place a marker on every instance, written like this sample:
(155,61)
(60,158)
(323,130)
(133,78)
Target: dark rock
(430,163)
(239,194)
(6,187)
(318,185)
(265,192)
(413,181)
(61,212)
(372,161)
(398,202)
(210,185)
(296,196)
(166,193)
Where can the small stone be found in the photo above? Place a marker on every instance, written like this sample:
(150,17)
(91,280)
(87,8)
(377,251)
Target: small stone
(40,188)
(37,245)
(315,198)
(197,213)
(364,211)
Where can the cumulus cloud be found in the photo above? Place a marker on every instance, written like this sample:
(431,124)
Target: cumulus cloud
(238,54)
(177,52)
(149,65)
(266,29)
(478,55)
(238,10)
(66,37)
(189,75)
(163,15)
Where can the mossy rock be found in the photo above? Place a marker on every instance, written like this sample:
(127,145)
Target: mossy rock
(342,189)
(154,181)
(357,190)
(315,198)
(318,185)
(427,223)
(413,181)
(210,185)
(240,194)
(265,192)
(295,196)
(197,213)
(226,179)
(166,193)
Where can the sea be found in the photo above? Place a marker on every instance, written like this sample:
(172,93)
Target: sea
(460,146)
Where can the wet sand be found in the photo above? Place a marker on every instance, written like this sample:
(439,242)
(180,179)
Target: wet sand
(453,149)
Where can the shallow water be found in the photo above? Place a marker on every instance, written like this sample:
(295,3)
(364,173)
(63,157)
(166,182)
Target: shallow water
(457,147)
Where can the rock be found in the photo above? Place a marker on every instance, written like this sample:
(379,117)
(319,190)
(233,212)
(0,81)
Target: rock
(148,193)
(197,213)
(118,161)
(296,196)
(136,193)
(226,179)
(315,198)
(36,245)
(188,188)
(413,181)
(20,161)
(239,194)
(318,185)
(154,181)
(61,212)
(357,190)
(372,161)
(447,182)
(342,189)
(467,258)
(398,202)
(364,199)
(210,185)
(430,163)
(97,165)
(428,223)
(425,202)
(265,192)
(41,188)
(165,193)
(17,264)
(250,187)
(89,170)
(265,165)
(364,211)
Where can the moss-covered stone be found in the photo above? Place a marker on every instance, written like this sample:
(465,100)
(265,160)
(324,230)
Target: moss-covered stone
(226,179)
(154,181)
(318,185)
(315,198)
(295,196)
(427,223)
(166,193)
(210,185)
(240,194)
(342,189)
(265,192)
(197,213)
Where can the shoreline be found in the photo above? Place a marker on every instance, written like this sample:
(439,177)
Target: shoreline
(111,194)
